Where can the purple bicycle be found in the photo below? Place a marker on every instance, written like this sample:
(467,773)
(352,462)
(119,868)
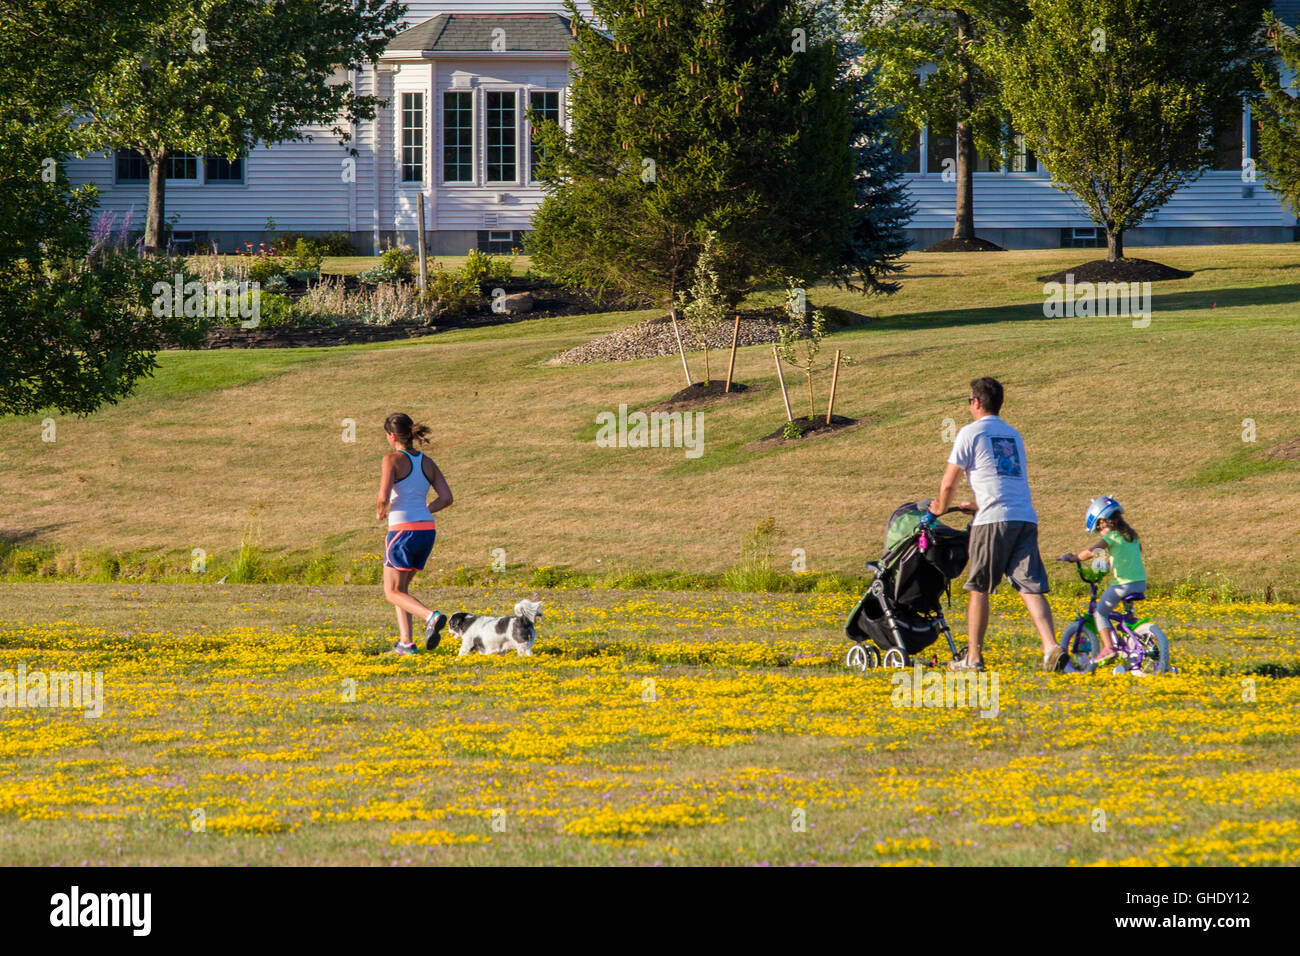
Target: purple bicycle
(1142,645)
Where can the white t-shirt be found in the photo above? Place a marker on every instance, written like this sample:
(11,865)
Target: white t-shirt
(993,456)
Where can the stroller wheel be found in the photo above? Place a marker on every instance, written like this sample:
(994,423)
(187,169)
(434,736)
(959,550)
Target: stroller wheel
(873,657)
(857,657)
(895,658)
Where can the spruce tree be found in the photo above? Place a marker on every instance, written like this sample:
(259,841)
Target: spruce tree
(690,116)
(1279,117)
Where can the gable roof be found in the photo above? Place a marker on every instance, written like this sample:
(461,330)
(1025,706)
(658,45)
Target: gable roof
(461,32)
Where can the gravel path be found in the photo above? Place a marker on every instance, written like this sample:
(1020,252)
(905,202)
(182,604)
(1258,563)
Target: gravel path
(655,338)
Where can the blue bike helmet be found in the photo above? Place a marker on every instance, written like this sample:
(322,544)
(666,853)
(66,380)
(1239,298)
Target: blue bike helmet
(1100,508)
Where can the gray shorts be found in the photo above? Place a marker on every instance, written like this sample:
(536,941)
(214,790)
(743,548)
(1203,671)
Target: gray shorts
(1006,549)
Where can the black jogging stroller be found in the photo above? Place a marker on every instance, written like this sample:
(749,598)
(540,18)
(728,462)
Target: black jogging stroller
(900,615)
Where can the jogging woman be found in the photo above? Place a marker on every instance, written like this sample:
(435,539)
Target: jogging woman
(405,478)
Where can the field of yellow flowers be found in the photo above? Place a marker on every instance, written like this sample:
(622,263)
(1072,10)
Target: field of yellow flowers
(264,725)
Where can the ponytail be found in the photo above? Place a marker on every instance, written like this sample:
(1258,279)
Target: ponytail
(400,426)
(1118,523)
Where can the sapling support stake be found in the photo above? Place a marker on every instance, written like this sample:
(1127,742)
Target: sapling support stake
(681,349)
(735,338)
(835,374)
(785,397)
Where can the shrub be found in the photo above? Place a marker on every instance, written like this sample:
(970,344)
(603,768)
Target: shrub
(274,311)
(307,255)
(329,303)
(263,267)
(401,260)
(376,275)
(454,292)
(500,268)
(476,267)
(335,244)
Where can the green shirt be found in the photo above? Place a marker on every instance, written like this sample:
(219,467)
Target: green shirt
(1125,558)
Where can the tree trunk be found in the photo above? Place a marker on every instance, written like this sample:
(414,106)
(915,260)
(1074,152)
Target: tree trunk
(154,224)
(963,226)
(812,410)
(1114,244)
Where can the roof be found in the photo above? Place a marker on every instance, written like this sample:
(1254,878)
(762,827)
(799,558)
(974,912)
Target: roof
(459,32)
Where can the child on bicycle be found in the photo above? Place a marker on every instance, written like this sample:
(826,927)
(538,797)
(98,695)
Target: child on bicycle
(1120,542)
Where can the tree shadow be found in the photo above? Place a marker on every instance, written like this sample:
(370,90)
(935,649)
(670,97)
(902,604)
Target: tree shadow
(12,537)
(1200,300)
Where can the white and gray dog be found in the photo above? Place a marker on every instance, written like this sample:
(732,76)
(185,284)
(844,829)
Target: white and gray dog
(498,635)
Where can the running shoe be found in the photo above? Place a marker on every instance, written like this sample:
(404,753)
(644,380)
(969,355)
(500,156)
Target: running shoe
(433,629)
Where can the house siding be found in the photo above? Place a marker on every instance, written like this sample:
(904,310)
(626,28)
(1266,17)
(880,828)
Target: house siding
(302,185)
(1026,210)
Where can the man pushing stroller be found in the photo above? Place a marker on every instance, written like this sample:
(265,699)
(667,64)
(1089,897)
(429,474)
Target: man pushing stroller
(1004,533)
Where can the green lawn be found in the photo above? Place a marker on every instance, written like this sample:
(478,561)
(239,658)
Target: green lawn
(223,447)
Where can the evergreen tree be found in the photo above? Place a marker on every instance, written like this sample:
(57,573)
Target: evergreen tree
(691,117)
(876,238)
(1279,117)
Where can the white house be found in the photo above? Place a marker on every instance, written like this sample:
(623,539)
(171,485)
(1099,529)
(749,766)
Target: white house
(459,81)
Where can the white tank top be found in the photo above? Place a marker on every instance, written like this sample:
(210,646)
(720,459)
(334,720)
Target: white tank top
(408,499)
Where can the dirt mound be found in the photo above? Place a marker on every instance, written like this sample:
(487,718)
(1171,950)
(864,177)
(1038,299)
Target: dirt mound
(964,245)
(234,337)
(655,338)
(1122,270)
(700,395)
(1288,450)
(817,428)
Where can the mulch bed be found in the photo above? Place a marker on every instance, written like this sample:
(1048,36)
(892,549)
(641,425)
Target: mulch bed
(964,245)
(548,302)
(1121,270)
(1288,450)
(817,428)
(234,337)
(700,395)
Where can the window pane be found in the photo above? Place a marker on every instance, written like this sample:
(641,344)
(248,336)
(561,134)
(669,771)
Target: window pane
(412,137)
(501,130)
(1227,147)
(218,169)
(941,146)
(183,166)
(131,167)
(545,105)
(458,137)
(1023,159)
(911,150)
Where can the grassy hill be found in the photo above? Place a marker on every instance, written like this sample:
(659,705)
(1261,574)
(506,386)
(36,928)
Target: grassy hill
(231,446)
